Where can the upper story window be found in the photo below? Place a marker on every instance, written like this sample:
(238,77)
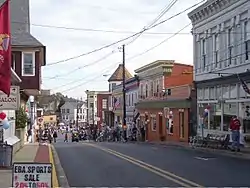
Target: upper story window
(230,46)
(246,40)
(151,88)
(146,91)
(91,96)
(63,111)
(104,103)
(68,111)
(204,53)
(141,90)
(157,86)
(216,50)
(28,64)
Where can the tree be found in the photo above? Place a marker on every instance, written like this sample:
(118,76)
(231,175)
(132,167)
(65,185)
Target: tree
(21,118)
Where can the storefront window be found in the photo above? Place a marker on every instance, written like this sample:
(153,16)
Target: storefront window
(242,93)
(230,110)
(233,91)
(200,93)
(225,92)
(203,120)
(218,92)
(206,93)
(212,93)
(153,123)
(244,115)
(215,116)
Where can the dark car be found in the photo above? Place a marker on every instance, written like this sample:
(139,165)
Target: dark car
(75,136)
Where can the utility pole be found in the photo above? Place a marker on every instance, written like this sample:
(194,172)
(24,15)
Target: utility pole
(87,110)
(77,114)
(124,90)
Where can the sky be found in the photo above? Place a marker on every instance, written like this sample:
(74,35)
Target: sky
(66,29)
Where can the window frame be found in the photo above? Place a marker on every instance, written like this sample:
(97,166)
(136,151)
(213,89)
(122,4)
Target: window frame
(153,123)
(33,63)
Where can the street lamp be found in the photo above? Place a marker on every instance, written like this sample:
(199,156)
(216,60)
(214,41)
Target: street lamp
(32,100)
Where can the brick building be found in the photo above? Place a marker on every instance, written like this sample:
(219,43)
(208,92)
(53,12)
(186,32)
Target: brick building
(165,100)
(102,107)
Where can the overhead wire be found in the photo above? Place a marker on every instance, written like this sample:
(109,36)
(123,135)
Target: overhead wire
(84,66)
(81,79)
(153,47)
(126,38)
(85,82)
(196,69)
(157,45)
(238,43)
(161,14)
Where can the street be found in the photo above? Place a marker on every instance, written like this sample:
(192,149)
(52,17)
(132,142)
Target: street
(144,165)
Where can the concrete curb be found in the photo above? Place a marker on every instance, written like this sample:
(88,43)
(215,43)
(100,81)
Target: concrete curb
(62,179)
(205,150)
(54,173)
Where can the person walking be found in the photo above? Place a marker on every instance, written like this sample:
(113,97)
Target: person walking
(55,135)
(235,129)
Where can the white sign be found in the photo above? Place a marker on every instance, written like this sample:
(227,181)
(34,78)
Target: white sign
(37,175)
(12,102)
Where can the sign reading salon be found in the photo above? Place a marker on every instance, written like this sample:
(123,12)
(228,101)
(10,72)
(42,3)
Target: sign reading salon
(12,102)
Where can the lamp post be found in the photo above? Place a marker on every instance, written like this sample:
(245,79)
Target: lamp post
(32,100)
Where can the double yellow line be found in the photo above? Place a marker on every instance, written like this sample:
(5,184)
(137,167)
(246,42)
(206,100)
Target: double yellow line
(162,173)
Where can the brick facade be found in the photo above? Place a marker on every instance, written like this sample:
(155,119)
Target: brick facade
(101,107)
(173,91)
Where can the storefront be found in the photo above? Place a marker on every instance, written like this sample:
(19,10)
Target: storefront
(221,99)
(160,124)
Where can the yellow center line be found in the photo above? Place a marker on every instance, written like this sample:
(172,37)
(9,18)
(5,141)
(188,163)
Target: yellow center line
(55,182)
(165,174)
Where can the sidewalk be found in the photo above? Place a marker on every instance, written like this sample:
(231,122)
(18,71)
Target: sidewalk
(30,153)
(244,154)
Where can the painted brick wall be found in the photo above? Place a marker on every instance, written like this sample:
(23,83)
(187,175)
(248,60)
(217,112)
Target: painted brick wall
(181,75)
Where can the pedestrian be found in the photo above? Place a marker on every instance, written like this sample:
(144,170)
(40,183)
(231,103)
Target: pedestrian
(55,135)
(235,130)
(29,135)
(66,137)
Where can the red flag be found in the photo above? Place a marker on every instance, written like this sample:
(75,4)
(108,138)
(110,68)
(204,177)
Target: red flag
(5,49)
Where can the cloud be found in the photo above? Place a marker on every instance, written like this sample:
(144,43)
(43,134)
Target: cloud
(126,15)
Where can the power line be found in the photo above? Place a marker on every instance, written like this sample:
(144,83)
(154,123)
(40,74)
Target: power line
(162,13)
(84,66)
(157,45)
(131,36)
(211,72)
(111,31)
(85,82)
(146,51)
(81,79)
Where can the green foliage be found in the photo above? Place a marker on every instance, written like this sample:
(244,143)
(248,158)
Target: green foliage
(21,118)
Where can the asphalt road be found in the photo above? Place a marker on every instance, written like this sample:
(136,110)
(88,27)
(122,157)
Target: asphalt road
(144,165)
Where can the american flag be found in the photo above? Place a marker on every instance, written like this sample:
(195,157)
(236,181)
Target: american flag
(116,103)
(244,85)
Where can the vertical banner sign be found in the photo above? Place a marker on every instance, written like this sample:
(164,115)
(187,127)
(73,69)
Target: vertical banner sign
(5,49)
(37,175)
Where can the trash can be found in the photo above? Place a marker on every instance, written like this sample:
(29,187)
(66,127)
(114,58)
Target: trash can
(5,156)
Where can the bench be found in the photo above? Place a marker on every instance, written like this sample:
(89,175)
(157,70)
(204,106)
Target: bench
(211,141)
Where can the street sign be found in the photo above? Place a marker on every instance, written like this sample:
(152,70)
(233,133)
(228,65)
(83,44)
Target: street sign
(12,102)
(32,175)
